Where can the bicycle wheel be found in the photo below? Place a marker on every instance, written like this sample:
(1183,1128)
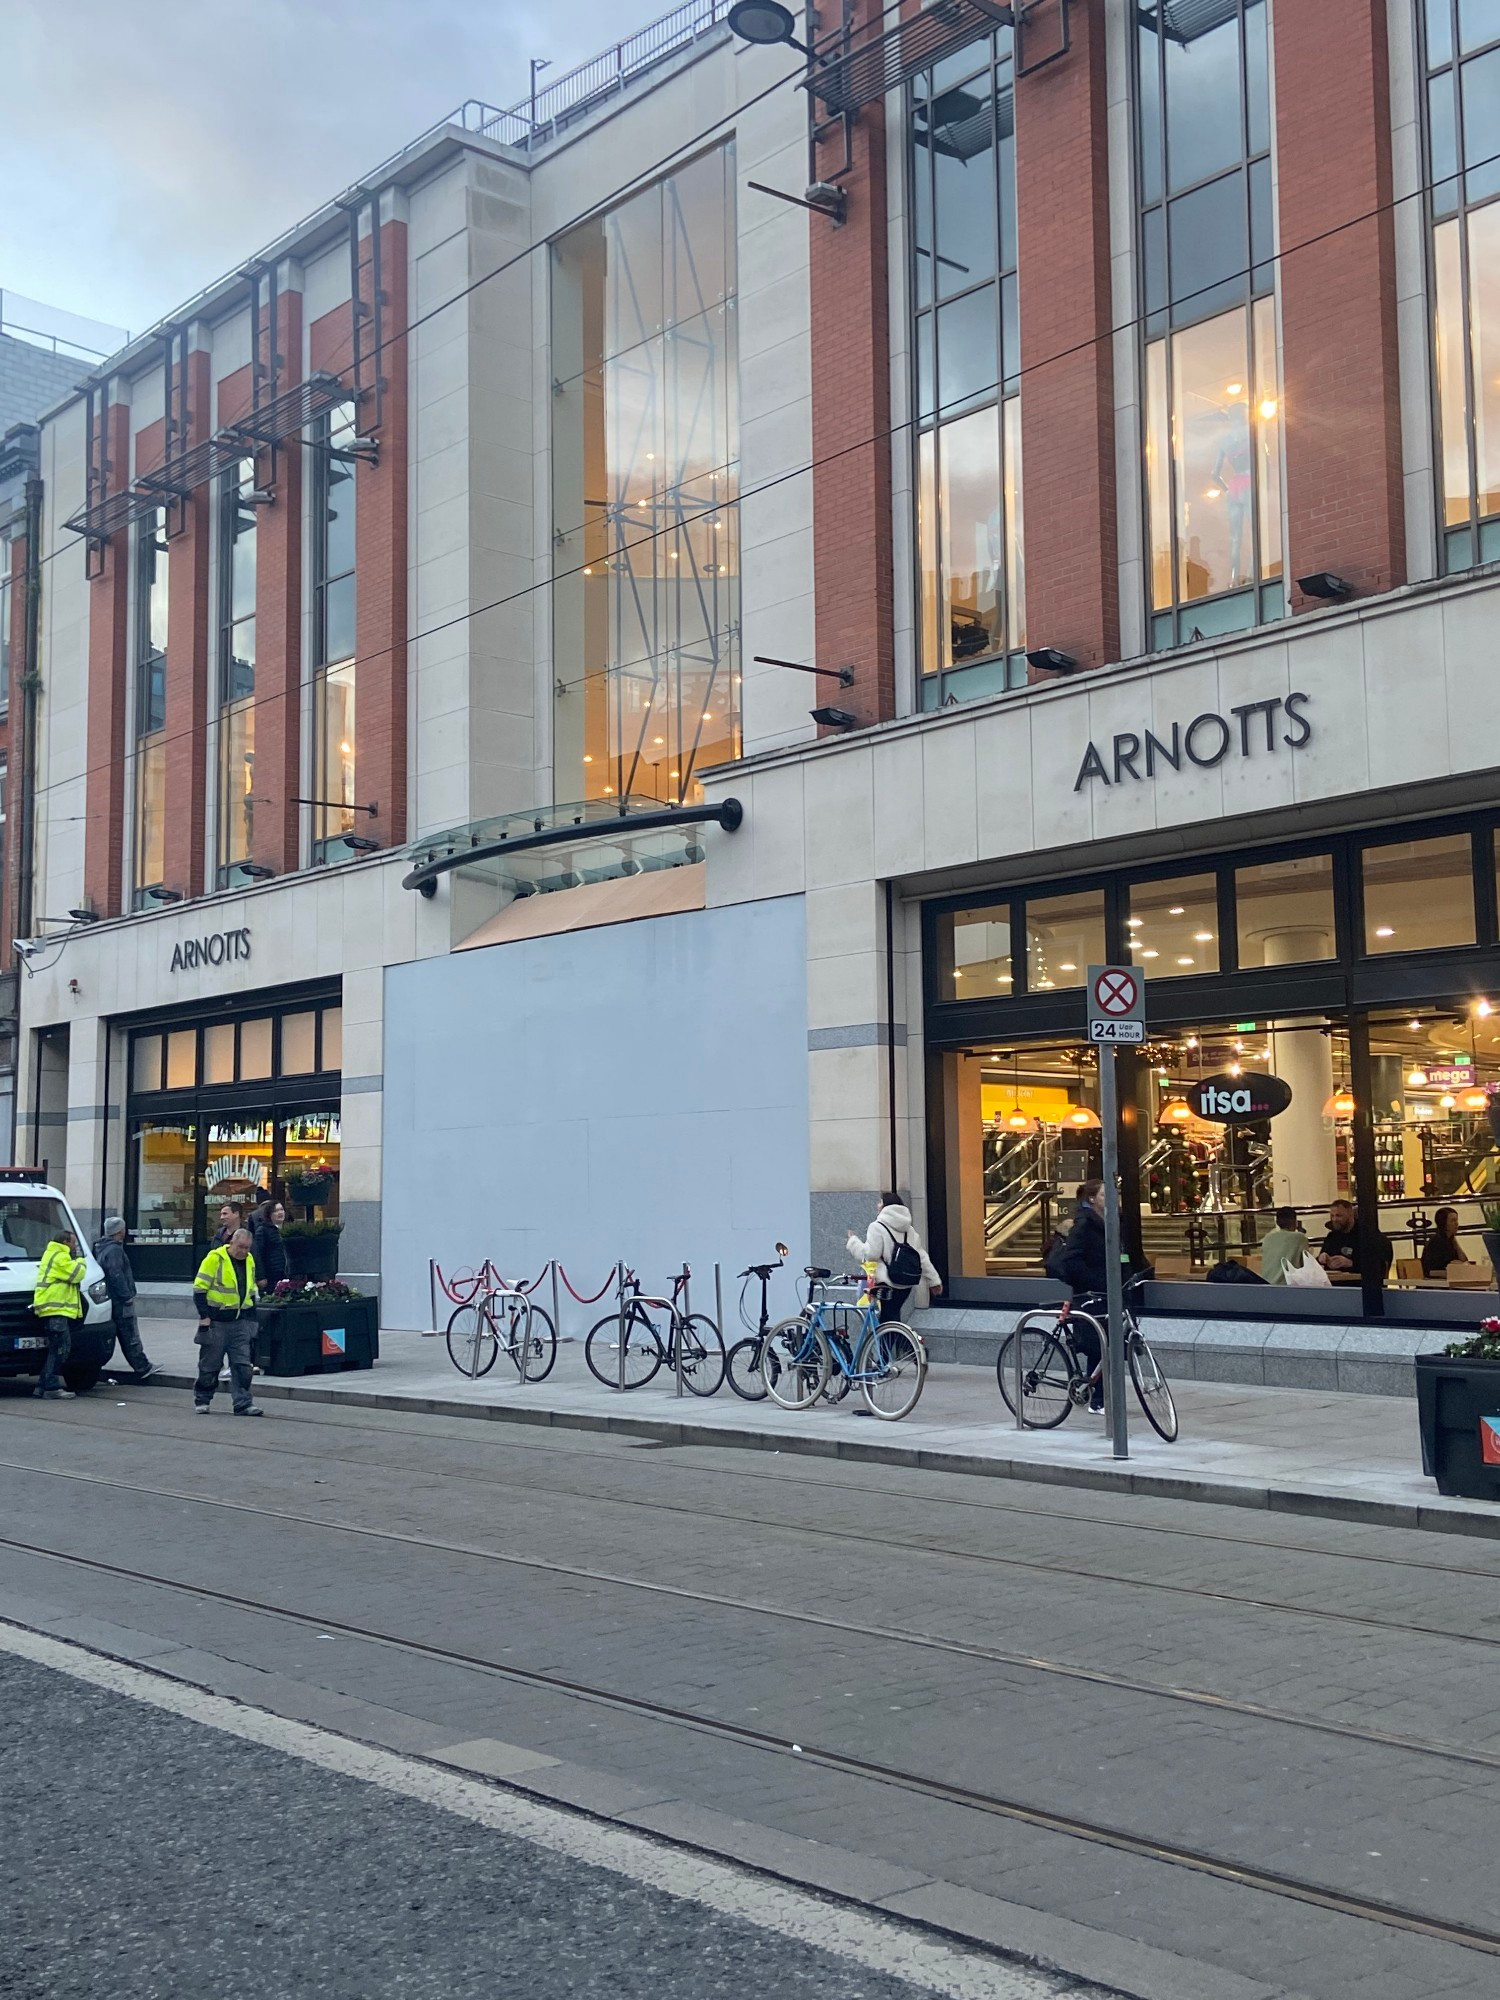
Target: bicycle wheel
(534,1362)
(795,1364)
(901,1361)
(742,1370)
(512,1317)
(472,1342)
(1046,1373)
(1151,1387)
(702,1348)
(643,1350)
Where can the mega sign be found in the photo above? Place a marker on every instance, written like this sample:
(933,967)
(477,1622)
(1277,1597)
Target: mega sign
(1205,741)
(1242,1099)
(216,949)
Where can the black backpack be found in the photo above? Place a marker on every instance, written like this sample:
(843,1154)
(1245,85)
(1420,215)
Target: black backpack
(1055,1259)
(903,1267)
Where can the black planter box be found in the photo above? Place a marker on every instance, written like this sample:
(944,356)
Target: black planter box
(1453,1399)
(312,1256)
(290,1339)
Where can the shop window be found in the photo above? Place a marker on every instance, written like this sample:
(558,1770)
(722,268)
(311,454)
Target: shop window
(297,1044)
(309,1155)
(1064,937)
(1419,894)
(1174,926)
(145,1063)
(974,954)
(236,1168)
(332,1042)
(182,1059)
(166,1154)
(967,346)
(1462,56)
(218,1053)
(645,437)
(1284,911)
(255,1049)
(1213,401)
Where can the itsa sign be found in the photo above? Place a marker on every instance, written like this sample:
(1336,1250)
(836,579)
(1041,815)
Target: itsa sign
(1239,1100)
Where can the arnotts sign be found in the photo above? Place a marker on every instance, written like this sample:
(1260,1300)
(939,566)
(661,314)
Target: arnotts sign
(1237,1100)
(1207,740)
(216,949)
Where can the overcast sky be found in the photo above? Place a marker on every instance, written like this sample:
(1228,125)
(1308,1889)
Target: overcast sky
(148,146)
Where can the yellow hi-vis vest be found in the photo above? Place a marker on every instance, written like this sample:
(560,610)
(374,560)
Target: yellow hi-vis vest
(59,1278)
(216,1279)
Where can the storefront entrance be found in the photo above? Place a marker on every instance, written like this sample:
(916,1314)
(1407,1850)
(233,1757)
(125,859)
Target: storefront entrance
(231,1108)
(1320,1027)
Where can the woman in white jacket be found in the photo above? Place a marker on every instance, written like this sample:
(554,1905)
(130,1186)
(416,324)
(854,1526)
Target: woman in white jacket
(892,1226)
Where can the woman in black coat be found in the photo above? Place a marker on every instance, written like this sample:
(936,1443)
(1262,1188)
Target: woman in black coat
(267,1247)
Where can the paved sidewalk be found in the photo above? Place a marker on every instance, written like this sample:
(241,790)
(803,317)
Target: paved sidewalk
(1308,1451)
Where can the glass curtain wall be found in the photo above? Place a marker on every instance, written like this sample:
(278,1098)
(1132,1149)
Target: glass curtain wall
(1212,392)
(645,454)
(1462,49)
(968,367)
(237,535)
(333,558)
(150,720)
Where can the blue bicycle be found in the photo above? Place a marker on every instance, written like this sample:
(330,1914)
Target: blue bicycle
(826,1340)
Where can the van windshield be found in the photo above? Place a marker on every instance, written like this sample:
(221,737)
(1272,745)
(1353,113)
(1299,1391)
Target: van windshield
(28,1223)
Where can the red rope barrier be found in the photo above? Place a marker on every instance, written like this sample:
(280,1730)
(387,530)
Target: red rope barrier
(453,1288)
(593,1297)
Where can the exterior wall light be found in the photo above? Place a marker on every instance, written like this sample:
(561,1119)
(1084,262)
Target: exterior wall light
(257,871)
(1323,583)
(834,718)
(765,23)
(1048,660)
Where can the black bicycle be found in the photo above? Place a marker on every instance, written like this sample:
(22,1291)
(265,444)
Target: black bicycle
(627,1348)
(1056,1379)
(745,1361)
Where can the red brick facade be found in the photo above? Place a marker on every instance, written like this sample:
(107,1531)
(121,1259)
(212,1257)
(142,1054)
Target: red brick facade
(1067,364)
(1342,410)
(853,555)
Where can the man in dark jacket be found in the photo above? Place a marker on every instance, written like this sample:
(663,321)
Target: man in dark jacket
(109,1254)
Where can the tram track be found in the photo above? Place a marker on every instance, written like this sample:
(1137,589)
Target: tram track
(1097,1833)
(1039,1664)
(1048,1566)
(790,1472)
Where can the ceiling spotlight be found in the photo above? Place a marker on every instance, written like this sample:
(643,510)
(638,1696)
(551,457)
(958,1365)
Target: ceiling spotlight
(1049,660)
(1324,584)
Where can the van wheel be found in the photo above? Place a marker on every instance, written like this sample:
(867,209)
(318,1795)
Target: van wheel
(80,1376)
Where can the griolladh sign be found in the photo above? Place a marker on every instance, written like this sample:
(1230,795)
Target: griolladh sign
(1252,729)
(218,948)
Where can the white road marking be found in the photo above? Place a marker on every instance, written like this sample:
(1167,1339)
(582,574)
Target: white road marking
(868,1940)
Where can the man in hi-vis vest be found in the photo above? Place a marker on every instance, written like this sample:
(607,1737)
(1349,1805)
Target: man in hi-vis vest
(224,1293)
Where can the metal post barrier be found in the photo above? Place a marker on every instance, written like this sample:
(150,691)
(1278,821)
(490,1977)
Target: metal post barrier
(719,1301)
(556,1320)
(620,1349)
(1016,1342)
(681,1328)
(432,1289)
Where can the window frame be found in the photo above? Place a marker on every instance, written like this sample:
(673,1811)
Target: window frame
(149,668)
(228,487)
(343,420)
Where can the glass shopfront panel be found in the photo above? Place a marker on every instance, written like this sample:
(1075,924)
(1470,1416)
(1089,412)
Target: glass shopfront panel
(1064,937)
(1174,926)
(1419,894)
(165,1162)
(976,950)
(1285,911)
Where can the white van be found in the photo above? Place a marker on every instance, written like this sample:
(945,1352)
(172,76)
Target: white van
(31,1213)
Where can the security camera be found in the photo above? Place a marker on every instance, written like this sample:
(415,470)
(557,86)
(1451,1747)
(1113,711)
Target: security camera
(25,946)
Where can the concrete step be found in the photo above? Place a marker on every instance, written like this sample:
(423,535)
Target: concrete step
(155,1300)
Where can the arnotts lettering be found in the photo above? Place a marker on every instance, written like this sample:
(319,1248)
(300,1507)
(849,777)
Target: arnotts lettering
(216,949)
(1205,741)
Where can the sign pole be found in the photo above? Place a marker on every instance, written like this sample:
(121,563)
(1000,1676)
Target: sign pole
(1116,1015)
(1109,1114)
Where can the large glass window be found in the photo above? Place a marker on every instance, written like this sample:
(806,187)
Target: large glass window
(968,366)
(974,947)
(150,690)
(1213,400)
(333,555)
(645,413)
(1064,937)
(1173,926)
(1462,40)
(237,538)
(1284,911)
(1419,894)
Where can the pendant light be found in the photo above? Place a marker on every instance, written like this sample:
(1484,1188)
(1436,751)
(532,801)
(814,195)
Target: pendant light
(1018,1121)
(1341,1104)
(1177,1111)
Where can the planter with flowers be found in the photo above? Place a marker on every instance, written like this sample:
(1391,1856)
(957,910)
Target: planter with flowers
(312,1248)
(1458,1410)
(318,1328)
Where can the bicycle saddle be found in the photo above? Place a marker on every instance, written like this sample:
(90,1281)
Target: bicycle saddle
(815,1271)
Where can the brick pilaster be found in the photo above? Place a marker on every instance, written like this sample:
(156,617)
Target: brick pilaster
(851,418)
(278,636)
(1341,392)
(1067,387)
(381,554)
(109,669)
